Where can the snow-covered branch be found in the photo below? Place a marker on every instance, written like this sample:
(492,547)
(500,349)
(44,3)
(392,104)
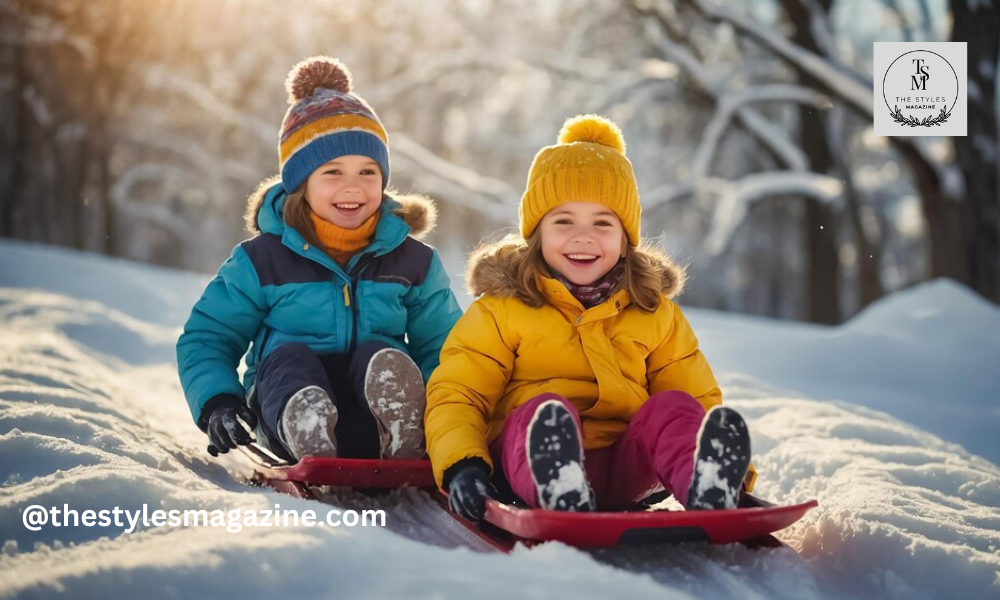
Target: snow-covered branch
(850,87)
(38,106)
(40,30)
(822,31)
(196,155)
(732,102)
(650,73)
(575,67)
(428,69)
(160,78)
(433,174)
(736,197)
(772,137)
(159,213)
(666,194)
(425,70)
(847,86)
(492,198)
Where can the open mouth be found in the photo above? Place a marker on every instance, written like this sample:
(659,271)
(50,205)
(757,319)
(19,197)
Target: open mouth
(581,260)
(348,208)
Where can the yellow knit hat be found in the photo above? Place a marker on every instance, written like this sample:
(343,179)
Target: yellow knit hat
(587,164)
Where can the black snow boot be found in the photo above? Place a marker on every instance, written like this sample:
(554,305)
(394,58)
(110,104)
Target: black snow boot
(555,455)
(720,462)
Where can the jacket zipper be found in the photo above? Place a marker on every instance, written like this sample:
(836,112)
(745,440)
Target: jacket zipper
(351,298)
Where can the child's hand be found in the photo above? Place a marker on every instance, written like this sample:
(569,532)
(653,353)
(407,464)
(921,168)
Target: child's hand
(224,430)
(467,492)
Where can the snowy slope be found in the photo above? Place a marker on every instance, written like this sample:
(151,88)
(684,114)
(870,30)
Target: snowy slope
(878,419)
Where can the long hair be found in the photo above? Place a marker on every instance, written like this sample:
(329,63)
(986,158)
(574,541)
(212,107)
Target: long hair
(648,270)
(519,261)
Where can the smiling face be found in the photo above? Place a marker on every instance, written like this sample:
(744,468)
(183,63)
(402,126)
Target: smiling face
(345,191)
(582,241)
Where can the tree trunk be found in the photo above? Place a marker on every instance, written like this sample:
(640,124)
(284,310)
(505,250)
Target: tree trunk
(977,154)
(823,265)
(12,190)
(110,244)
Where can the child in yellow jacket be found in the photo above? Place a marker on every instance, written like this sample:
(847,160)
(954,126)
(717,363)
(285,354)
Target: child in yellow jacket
(573,373)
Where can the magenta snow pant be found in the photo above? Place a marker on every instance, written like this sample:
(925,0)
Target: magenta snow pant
(656,449)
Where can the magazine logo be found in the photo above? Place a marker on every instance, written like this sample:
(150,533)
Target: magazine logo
(921,90)
(921,107)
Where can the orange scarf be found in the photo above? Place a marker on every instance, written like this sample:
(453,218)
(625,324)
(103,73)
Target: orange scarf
(342,244)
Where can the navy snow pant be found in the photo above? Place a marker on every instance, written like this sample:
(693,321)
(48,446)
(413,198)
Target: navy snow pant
(292,367)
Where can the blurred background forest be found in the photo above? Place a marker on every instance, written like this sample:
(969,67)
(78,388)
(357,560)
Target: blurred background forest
(137,128)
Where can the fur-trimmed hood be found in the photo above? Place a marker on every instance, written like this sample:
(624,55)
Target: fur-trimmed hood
(417,211)
(491,268)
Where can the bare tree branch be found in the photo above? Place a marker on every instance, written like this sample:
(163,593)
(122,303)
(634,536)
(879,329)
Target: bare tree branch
(904,22)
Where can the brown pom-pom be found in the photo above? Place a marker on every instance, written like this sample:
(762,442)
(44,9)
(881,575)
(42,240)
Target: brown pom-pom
(317,72)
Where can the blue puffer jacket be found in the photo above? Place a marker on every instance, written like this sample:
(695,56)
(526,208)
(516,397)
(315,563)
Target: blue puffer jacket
(275,289)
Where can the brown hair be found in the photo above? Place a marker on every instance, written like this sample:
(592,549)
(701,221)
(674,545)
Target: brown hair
(648,270)
(295,212)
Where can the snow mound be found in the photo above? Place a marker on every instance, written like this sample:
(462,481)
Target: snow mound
(936,308)
(927,356)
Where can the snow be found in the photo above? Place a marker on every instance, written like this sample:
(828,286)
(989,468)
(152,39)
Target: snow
(570,478)
(890,421)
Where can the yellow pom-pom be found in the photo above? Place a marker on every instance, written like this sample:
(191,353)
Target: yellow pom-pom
(594,129)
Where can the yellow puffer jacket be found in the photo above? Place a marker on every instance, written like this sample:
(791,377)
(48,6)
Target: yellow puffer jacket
(607,360)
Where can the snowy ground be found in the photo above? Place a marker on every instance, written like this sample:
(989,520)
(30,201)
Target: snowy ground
(888,421)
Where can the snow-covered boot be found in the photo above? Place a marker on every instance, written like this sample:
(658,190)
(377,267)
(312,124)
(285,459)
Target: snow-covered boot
(308,422)
(720,462)
(555,455)
(394,389)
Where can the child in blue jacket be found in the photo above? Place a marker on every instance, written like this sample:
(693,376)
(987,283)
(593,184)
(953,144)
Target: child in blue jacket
(343,310)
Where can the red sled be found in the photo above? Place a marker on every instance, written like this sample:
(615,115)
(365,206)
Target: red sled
(751,524)
(506,525)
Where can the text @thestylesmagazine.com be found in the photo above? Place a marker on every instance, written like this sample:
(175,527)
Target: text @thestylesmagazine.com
(37,517)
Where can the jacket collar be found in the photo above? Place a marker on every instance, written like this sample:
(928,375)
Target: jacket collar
(389,234)
(557,295)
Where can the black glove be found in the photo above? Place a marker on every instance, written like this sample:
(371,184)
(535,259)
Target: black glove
(467,490)
(224,430)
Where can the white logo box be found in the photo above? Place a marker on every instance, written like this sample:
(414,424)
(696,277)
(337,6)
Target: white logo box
(920,88)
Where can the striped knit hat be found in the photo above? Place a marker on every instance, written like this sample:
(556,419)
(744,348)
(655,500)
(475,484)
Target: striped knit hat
(326,121)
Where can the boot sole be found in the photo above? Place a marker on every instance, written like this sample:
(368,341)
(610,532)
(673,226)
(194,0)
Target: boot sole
(394,389)
(308,423)
(555,455)
(721,461)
